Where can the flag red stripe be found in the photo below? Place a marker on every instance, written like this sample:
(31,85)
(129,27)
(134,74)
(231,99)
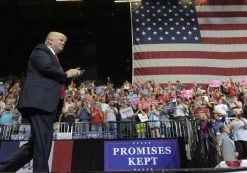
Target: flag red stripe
(190,70)
(239,40)
(223,26)
(220,2)
(62,156)
(190,54)
(222,14)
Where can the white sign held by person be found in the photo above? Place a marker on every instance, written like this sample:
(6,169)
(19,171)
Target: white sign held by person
(132,98)
(100,90)
(143,117)
(126,112)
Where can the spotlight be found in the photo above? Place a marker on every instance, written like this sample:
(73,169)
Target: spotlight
(121,1)
(69,0)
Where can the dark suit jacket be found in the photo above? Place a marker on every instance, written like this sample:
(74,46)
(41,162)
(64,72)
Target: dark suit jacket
(44,79)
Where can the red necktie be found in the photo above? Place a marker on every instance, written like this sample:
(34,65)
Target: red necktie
(62,92)
(57,58)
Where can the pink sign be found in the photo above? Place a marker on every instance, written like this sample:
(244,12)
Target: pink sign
(214,84)
(186,93)
(244,83)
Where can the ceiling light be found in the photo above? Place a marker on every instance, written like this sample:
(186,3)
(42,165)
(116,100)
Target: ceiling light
(120,1)
(68,0)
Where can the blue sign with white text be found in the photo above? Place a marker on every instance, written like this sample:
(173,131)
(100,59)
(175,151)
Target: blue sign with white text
(141,155)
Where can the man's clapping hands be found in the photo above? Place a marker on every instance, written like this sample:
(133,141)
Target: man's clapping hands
(74,72)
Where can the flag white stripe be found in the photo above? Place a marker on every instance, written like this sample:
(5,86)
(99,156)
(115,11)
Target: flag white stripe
(190,47)
(216,8)
(224,33)
(225,20)
(192,62)
(186,78)
(51,157)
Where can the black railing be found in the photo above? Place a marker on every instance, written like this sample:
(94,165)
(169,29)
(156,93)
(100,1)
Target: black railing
(199,150)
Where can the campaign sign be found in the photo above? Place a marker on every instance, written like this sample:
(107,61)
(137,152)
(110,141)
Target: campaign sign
(141,155)
(100,89)
(126,112)
(214,83)
(132,98)
(244,83)
(170,106)
(186,94)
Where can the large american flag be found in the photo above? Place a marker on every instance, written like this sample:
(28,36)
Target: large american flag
(191,41)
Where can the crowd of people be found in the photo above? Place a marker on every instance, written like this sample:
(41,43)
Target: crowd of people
(10,88)
(219,111)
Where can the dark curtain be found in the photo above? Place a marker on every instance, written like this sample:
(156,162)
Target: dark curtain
(88,155)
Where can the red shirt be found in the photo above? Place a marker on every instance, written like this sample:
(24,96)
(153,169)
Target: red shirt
(96,117)
(162,99)
(232,91)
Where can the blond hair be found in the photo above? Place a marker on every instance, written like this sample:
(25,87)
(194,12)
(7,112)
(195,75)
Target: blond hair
(53,34)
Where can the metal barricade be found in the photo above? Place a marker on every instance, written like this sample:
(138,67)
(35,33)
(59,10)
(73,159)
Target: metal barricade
(24,132)
(62,130)
(85,130)
(184,129)
(80,130)
(15,132)
(108,130)
(127,129)
(6,131)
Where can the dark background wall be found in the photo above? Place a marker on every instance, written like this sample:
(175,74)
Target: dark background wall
(99,35)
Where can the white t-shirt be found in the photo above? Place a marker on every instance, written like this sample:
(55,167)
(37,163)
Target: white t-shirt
(179,111)
(221,109)
(110,115)
(239,132)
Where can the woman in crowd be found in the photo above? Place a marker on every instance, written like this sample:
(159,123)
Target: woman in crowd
(154,121)
(97,116)
(84,116)
(110,117)
(69,117)
(234,105)
(141,119)
(7,116)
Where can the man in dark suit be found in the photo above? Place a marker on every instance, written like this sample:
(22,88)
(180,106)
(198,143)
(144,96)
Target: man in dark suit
(42,90)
